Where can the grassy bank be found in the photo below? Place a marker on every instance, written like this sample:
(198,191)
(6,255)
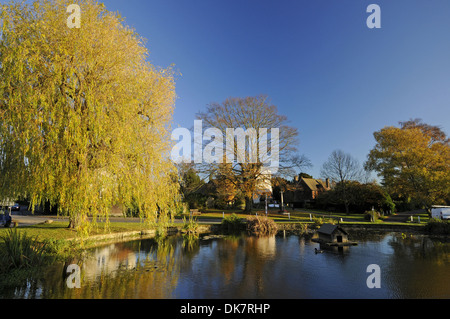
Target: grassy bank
(62,242)
(24,250)
(58,230)
(302,215)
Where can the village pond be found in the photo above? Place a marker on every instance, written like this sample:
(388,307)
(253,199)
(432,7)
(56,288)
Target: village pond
(239,266)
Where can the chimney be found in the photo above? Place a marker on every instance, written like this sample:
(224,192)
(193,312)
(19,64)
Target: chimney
(327,183)
(296,178)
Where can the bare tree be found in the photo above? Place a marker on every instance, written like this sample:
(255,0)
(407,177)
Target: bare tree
(262,125)
(342,168)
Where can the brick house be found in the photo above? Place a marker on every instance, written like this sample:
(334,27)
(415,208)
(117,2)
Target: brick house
(304,191)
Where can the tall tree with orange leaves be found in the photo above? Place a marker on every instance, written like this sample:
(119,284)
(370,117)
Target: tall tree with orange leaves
(413,161)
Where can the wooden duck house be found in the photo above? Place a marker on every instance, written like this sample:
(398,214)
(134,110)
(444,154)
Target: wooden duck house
(332,235)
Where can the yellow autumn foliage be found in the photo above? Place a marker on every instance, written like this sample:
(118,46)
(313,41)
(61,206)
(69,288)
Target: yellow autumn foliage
(414,162)
(85,118)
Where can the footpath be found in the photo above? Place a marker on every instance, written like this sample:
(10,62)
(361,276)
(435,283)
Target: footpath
(403,216)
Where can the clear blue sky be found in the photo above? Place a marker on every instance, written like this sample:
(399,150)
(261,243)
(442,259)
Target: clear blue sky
(337,80)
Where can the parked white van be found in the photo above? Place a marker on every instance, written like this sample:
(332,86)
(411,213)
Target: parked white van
(441,212)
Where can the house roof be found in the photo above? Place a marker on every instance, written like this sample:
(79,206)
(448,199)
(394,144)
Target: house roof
(313,184)
(328,229)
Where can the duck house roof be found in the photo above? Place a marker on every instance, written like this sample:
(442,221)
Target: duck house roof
(329,229)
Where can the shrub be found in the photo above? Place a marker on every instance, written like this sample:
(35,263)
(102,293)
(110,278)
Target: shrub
(232,222)
(388,204)
(372,215)
(60,248)
(303,228)
(319,221)
(438,227)
(22,251)
(190,227)
(261,226)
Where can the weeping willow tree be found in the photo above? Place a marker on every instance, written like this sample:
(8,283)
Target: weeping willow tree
(85,118)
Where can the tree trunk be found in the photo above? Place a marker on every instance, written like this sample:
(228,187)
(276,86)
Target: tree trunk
(346,200)
(248,204)
(74,221)
(347,211)
(71,224)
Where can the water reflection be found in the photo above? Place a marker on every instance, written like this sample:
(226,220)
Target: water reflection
(419,266)
(138,269)
(249,267)
(108,260)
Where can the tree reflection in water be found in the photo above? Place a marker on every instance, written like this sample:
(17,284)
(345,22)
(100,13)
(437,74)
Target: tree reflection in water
(138,269)
(239,266)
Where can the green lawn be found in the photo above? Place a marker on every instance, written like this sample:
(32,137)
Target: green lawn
(58,230)
(303,215)
(55,230)
(272,213)
(424,218)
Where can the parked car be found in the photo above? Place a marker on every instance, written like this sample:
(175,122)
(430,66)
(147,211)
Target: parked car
(15,207)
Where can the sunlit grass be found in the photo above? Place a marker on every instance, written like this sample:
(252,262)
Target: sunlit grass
(305,216)
(58,230)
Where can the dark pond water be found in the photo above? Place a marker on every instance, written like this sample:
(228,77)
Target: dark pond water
(248,267)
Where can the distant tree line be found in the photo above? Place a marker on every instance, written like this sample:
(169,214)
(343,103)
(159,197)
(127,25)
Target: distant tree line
(412,161)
